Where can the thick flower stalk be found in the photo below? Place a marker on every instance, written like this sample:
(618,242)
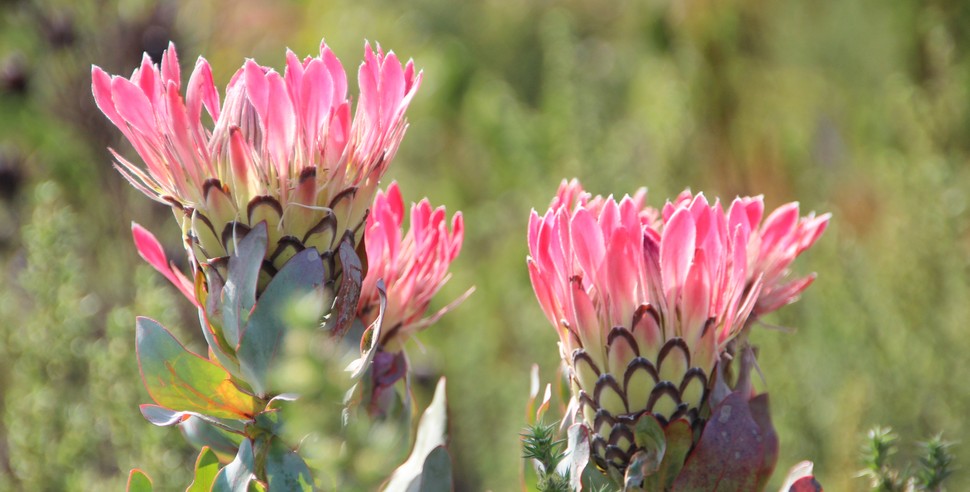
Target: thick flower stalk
(643,308)
(413,265)
(283,149)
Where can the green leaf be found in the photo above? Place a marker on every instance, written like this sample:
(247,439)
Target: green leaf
(286,470)
(239,293)
(206,469)
(138,481)
(678,436)
(262,337)
(178,379)
(649,436)
(236,476)
(436,472)
(432,433)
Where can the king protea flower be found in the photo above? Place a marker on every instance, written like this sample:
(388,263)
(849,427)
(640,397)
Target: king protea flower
(283,148)
(643,309)
(413,266)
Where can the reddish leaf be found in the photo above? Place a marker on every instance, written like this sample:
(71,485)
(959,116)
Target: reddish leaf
(731,452)
(806,484)
(762,417)
(348,296)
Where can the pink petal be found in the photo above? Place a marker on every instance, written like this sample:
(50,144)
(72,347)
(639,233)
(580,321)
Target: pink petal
(392,88)
(101,88)
(202,91)
(696,304)
(337,74)
(151,251)
(280,124)
(293,76)
(540,284)
(587,239)
(170,66)
(317,94)
(147,76)
(676,251)
(779,225)
(240,157)
(396,202)
(584,317)
(257,88)
(133,106)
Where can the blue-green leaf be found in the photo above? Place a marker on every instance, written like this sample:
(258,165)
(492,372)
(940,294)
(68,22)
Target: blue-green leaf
(436,472)
(262,338)
(286,470)
(211,322)
(432,433)
(239,293)
(202,432)
(235,477)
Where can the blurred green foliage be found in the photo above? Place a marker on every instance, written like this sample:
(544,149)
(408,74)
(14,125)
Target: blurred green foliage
(857,108)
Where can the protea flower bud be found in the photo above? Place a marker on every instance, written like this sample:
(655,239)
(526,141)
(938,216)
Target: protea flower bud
(413,267)
(643,309)
(283,149)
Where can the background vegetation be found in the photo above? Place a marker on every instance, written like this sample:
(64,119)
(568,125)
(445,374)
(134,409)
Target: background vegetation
(860,108)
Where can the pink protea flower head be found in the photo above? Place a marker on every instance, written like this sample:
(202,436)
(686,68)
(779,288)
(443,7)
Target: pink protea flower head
(283,148)
(772,247)
(643,310)
(413,266)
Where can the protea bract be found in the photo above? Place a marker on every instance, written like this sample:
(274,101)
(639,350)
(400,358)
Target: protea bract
(413,266)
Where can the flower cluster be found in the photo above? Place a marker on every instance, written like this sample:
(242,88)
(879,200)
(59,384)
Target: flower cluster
(645,301)
(284,150)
